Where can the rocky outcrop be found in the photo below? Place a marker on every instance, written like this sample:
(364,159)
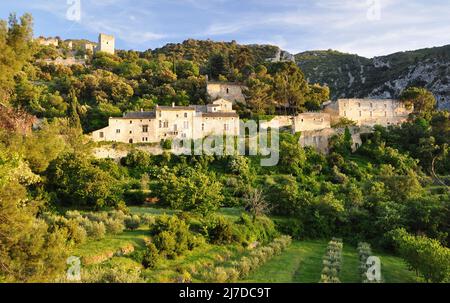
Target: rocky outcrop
(352,76)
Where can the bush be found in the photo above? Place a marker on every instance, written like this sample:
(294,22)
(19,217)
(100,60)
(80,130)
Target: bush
(219,230)
(95,230)
(332,262)
(424,255)
(132,222)
(151,257)
(76,233)
(113,226)
(147,220)
(112,275)
(172,236)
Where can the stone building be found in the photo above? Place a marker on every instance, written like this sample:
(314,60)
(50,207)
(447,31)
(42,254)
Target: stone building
(106,43)
(369,111)
(226,90)
(48,41)
(311,121)
(172,122)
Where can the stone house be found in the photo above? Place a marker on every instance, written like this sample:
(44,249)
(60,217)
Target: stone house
(172,122)
(369,112)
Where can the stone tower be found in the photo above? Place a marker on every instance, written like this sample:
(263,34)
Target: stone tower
(106,43)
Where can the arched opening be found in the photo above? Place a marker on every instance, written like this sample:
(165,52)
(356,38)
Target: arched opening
(130,141)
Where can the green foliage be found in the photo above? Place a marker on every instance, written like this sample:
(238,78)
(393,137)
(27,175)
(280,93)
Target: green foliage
(172,237)
(189,189)
(218,230)
(77,182)
(424,255)
(421,99)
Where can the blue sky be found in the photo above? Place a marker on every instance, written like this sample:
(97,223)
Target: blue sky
(354,26)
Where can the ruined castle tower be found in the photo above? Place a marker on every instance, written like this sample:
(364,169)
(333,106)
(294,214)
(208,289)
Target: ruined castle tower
(106,43)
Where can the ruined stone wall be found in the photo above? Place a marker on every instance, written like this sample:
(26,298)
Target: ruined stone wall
(319,139)
(228,91)
(369,111)
(311,122)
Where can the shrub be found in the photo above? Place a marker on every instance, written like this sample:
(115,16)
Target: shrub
(132,222)
(96,230)
(332,262)
(112,275)
(424,255)
(219,230)
(147,220)
(113,226)
(76,233)
(166,243)
(172,237)
(151,257)
(219,275)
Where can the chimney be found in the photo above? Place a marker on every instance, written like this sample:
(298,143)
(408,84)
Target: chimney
(173,104)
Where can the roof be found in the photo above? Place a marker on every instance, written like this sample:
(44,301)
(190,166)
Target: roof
(139,115)
(176,108)
(219,115)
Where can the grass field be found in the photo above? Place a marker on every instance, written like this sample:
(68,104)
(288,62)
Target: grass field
(302,263)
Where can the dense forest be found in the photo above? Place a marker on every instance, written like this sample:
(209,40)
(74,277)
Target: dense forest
(54,195)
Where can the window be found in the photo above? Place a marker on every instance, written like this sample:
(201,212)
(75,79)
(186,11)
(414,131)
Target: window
(117,131)
(144,139)
(131,131)
(160,124)
(371,104)
(145,128)
(185,124)
(102,135)
(360,113)
(225,127)
(185,115)
(130,141)
(131,122)
(166,124)
(203,126)
(359,104)
(175,128)
(228,90)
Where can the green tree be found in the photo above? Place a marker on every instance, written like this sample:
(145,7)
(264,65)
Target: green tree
(423,100)
(77,182)
(190,190)
(29,251)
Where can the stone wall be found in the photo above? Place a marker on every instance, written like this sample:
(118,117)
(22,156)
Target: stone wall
(369,112)
(311,122)
(228,91)
(319,139)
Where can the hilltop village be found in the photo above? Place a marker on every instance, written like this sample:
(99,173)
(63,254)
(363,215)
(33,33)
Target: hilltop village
(219,118)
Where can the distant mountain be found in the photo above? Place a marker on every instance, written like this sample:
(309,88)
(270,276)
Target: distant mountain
(350,75)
